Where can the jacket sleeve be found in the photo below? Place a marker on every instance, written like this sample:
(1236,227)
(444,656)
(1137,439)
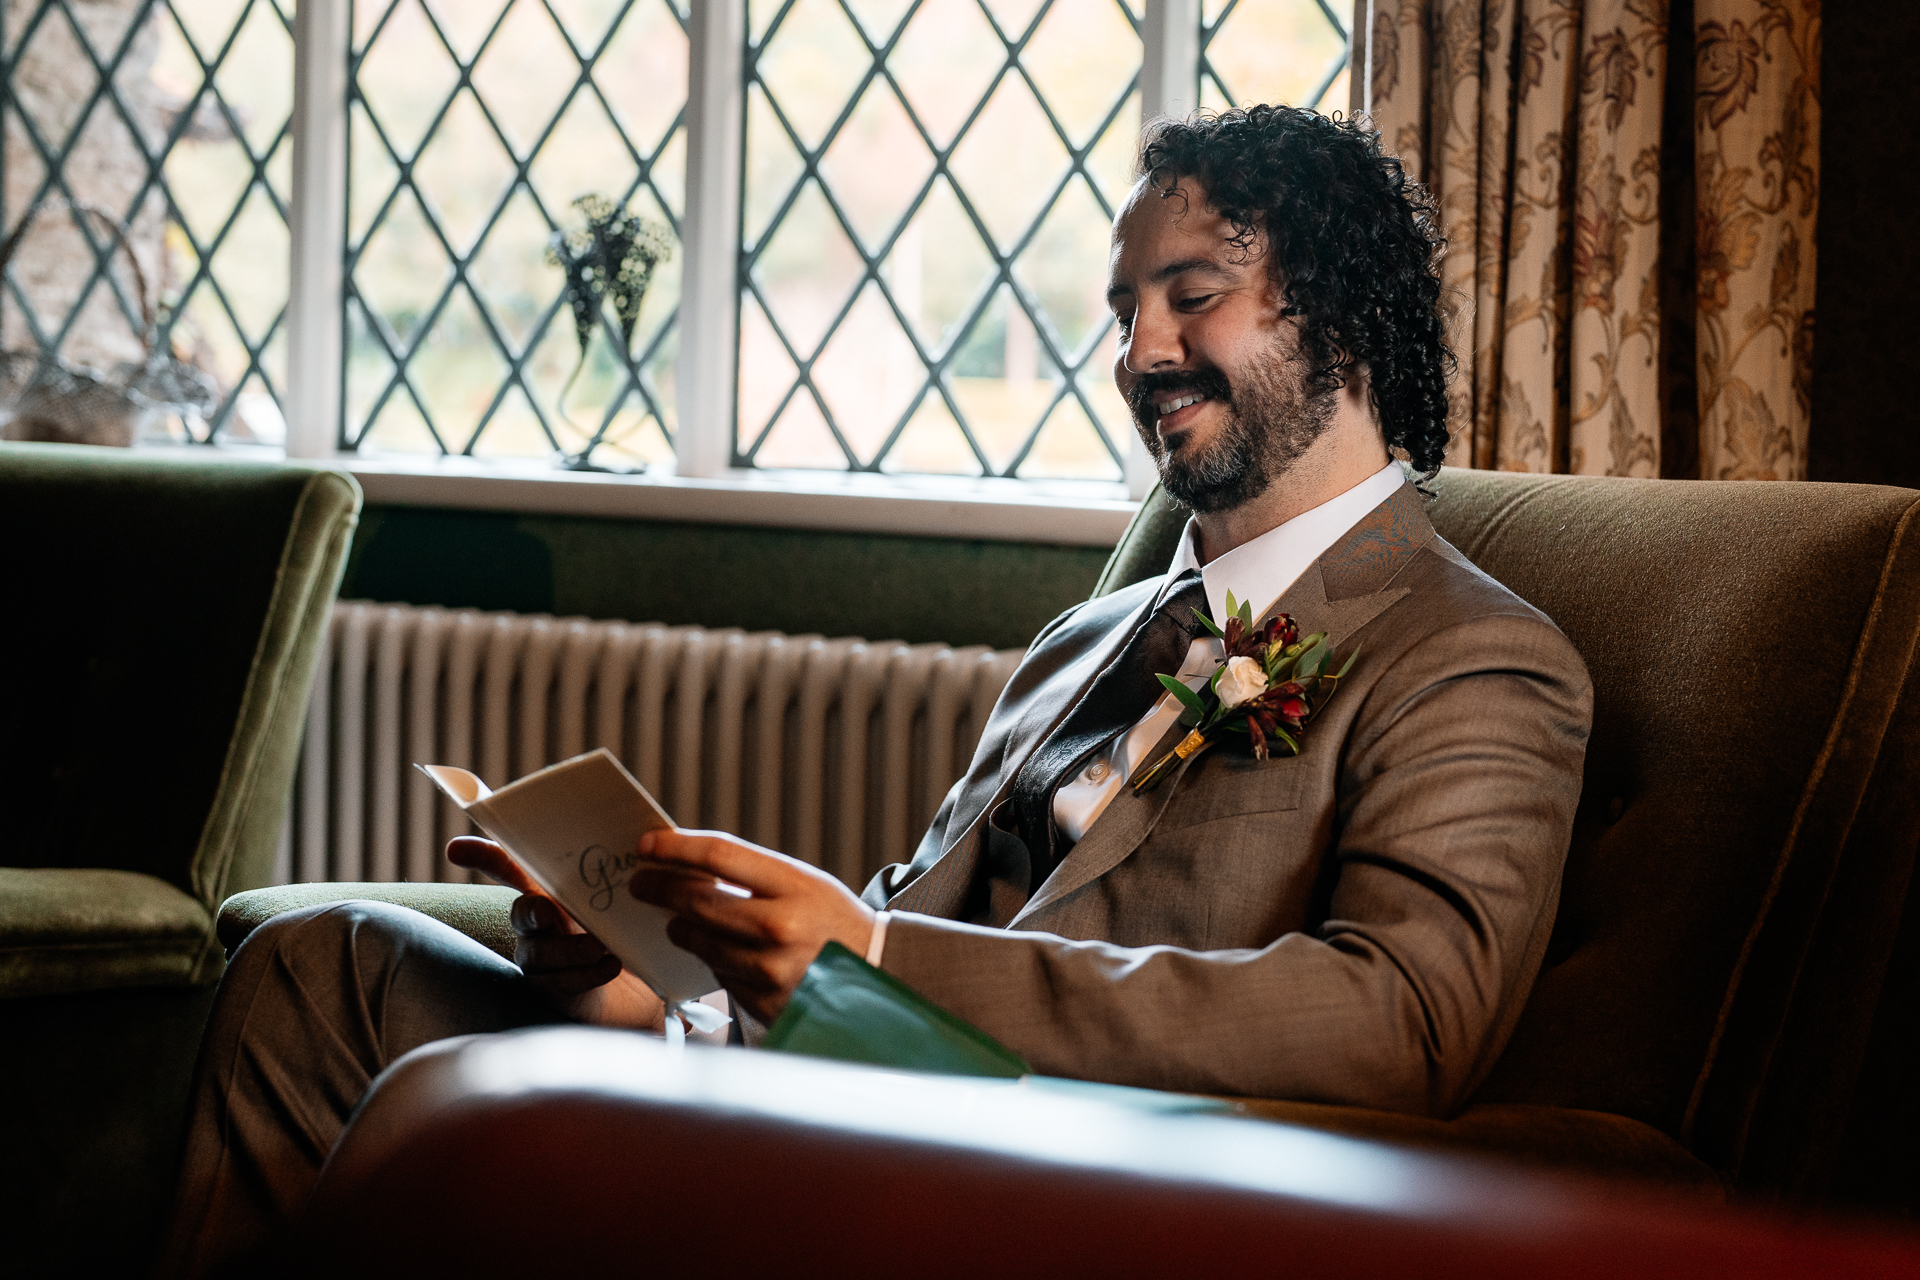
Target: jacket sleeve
(1454,808)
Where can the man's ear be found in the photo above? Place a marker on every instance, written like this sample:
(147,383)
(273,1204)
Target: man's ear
(1358,377)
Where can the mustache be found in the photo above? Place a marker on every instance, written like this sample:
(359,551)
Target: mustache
(1210,383)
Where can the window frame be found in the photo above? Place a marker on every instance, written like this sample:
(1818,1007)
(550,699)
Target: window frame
(702,474)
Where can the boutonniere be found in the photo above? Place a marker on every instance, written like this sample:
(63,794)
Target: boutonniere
(1269,687)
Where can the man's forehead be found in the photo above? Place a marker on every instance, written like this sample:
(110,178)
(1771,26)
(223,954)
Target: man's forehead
(1157,229)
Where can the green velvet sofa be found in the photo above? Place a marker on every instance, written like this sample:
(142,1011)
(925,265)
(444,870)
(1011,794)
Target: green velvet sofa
(164,617)
(1729,997)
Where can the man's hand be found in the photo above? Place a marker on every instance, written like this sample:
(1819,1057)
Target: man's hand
(759,946)
(566,964)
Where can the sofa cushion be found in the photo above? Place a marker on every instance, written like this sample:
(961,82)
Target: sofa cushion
(477,910)
(89,929)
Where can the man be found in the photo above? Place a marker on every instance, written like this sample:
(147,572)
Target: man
(1359,923)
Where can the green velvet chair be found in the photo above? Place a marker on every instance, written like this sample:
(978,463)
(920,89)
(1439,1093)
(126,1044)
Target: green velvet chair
(1730,994)
(164,616)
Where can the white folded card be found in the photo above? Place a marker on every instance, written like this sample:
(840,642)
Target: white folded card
(575,829)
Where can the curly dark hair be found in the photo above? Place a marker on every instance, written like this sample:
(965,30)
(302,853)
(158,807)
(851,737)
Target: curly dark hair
(1354,242)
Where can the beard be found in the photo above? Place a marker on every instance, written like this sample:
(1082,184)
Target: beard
(1271,420)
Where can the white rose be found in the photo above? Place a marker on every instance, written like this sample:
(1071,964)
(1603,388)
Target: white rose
(1243,679)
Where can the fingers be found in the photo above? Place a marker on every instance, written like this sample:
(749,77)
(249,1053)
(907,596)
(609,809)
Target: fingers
(534,912)
(747,970)
(730,858)
(558,951)
(564,966)
(744,918)
(477,854)
(577,982)
(565,963)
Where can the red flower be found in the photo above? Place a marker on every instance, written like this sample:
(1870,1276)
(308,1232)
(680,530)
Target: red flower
(1241,641)
(1284,706)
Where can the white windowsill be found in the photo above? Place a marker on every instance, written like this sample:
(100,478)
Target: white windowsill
(1068,513)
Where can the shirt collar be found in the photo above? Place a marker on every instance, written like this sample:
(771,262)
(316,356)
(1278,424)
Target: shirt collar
(1261,570)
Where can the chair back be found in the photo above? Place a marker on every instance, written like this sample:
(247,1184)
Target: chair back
(164,619)
(1747,827)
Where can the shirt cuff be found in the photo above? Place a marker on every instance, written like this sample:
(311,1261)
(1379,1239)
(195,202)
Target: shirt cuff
(877,944)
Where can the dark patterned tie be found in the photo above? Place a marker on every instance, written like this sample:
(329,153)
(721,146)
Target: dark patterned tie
(1112,704)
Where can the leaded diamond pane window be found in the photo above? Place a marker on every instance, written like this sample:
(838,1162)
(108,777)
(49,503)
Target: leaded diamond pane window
(169,119)
(1277,51)
(473,126)
(928,192)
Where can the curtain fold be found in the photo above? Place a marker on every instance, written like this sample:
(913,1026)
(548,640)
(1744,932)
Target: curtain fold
(1629,191)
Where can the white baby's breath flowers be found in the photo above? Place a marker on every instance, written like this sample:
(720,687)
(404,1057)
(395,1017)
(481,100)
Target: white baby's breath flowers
(1244,679)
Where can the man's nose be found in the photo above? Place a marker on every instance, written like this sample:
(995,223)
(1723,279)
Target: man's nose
(1154,343)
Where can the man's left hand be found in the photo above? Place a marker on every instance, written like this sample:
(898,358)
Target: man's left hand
(759,946)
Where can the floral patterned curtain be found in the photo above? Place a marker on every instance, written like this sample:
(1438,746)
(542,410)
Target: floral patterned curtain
(1629,190)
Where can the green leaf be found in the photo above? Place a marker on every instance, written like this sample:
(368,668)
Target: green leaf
(1188,698)
(1349,666)
(1287,738)
(1232,608)
(1210,625)
(1315,658)
(1246,613)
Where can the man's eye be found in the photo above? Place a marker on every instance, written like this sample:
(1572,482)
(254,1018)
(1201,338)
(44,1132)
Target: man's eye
(1125,322)
(1198,300)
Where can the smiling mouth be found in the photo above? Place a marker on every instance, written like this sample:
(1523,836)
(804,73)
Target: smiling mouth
(1166,407)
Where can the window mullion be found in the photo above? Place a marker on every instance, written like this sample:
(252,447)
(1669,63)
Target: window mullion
(1169,86)
(1169,58)
(710,237)
(317,225)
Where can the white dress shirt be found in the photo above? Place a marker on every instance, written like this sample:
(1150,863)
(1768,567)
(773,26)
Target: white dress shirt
(1259,571)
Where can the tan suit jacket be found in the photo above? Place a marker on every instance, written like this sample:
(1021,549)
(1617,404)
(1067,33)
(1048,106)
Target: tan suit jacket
(1358,924)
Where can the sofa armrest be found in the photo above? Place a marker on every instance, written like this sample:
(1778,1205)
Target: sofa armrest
(477,910)
(71,929)
(621,1152)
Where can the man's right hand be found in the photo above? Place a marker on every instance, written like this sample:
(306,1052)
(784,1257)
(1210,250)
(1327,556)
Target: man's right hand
(565,963)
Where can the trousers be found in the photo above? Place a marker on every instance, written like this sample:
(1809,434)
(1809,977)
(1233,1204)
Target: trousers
(314,1005)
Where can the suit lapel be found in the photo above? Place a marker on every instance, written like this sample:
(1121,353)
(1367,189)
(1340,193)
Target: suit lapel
(941,888)
(1062,693)
(1121,829)
(1360,568)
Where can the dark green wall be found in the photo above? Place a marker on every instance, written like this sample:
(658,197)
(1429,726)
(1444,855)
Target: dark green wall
(879,586)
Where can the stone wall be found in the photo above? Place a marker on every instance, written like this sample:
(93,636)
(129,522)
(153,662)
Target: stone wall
(53,83)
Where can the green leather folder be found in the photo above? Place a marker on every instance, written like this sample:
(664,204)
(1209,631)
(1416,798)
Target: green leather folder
(845,1008)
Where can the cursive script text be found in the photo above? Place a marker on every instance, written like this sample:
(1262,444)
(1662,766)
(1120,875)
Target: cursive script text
(603,871)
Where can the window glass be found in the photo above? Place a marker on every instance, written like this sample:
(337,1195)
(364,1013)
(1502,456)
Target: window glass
(1290,51)
(169,123)
(927,200)
(474,126)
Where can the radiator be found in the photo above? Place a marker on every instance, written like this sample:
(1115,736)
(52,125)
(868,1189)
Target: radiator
(836,751)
